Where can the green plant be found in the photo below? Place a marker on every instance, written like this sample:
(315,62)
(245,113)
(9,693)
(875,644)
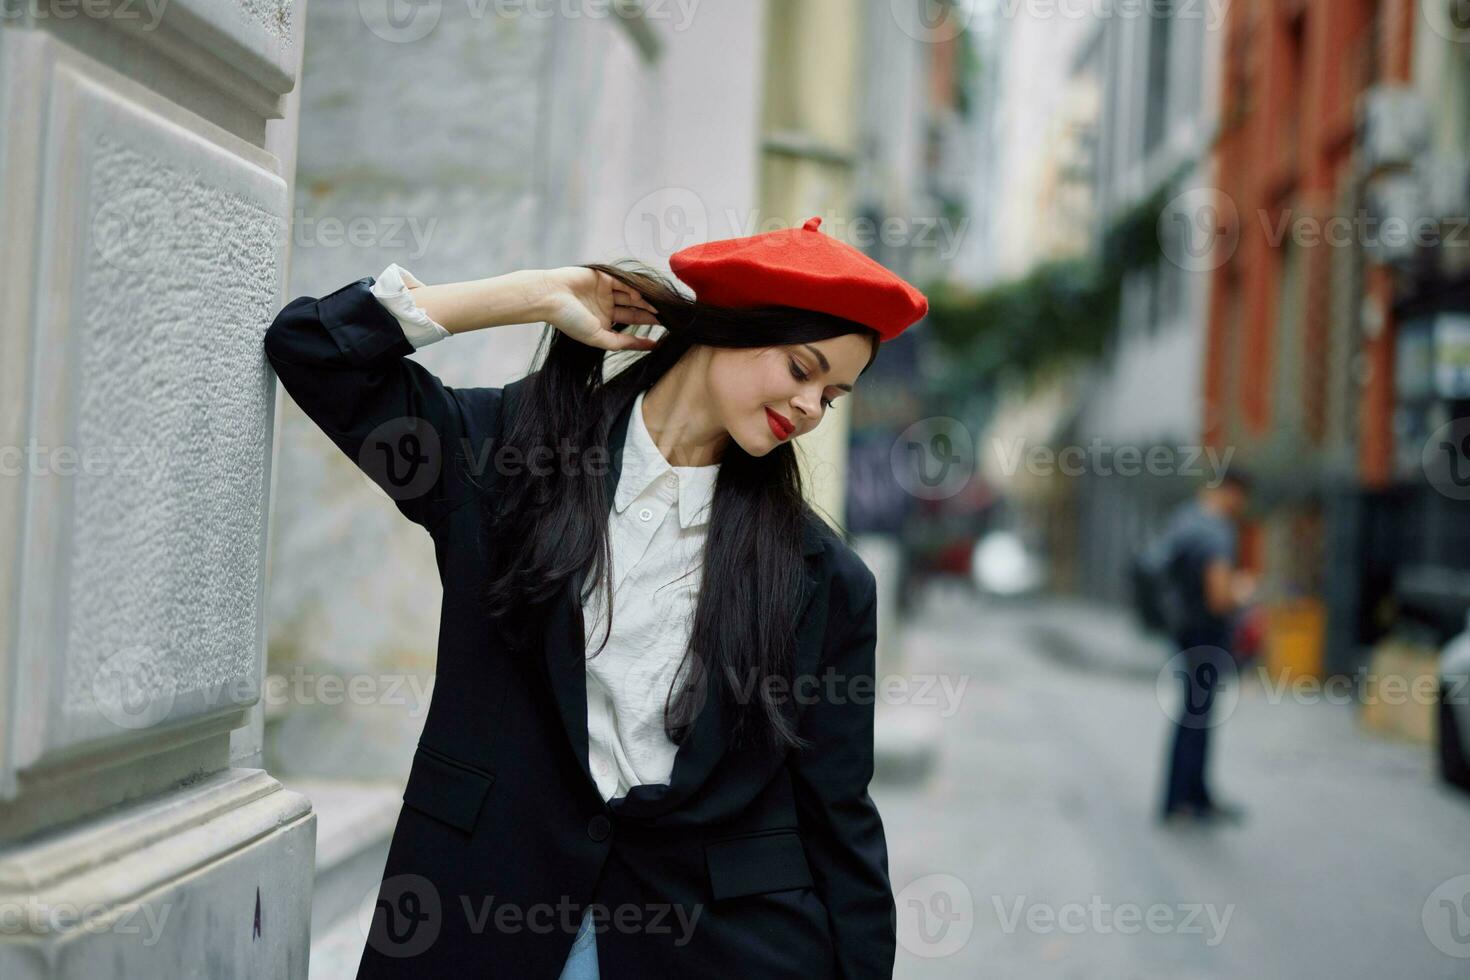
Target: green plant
(1060,313)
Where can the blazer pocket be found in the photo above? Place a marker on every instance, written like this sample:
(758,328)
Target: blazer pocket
(769,861)
(446,788)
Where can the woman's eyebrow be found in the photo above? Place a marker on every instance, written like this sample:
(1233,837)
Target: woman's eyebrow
(826,366)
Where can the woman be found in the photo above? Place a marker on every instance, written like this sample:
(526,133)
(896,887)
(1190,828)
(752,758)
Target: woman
(680,787)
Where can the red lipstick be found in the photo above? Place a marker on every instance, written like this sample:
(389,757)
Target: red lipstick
(780,425)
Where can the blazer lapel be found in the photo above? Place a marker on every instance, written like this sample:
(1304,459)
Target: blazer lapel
(563,649)
(564,652)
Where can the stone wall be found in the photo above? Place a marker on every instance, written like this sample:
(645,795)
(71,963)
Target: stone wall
(146,153)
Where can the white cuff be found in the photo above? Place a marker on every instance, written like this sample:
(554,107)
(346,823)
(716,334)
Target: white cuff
(392,290)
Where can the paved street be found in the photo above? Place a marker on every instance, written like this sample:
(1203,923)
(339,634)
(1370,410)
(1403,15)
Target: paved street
(1041,805)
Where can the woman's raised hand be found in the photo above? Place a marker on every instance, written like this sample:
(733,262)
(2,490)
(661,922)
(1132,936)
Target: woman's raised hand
(585,303)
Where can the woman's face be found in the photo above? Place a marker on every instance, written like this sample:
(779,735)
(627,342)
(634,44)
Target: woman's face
(766,396)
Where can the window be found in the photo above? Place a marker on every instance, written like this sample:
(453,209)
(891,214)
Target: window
(1156,94)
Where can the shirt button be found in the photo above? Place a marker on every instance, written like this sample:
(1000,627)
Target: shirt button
(671,480)
(599,827)
(645,514)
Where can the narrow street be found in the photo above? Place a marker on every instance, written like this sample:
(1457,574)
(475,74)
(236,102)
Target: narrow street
(1031,850)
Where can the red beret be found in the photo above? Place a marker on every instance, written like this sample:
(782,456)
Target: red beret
(803,268)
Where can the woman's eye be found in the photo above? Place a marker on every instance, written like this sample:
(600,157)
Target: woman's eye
(800,375)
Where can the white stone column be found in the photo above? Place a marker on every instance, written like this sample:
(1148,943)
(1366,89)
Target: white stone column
(146,152)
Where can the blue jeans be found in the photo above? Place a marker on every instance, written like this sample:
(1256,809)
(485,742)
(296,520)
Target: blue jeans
(581,962)
(1206,669)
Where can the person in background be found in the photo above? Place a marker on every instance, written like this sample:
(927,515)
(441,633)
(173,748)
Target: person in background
(1210,590)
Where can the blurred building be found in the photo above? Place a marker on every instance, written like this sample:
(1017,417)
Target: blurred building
(1039,192)
(1334,339)
(1034,198)
(916,150)
(975,260)
(1126,116)
(1159,81)
(808,147)
(1417,167)
(915,156)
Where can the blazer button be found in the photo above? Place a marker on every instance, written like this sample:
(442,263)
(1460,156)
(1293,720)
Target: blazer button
(599,827)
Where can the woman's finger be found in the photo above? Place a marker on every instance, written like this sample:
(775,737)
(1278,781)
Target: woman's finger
(633,314)
(628,296)
(613,340)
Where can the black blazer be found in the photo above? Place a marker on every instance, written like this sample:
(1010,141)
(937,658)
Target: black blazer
(746,864)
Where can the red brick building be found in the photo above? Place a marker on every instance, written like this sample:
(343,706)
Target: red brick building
(1299,365)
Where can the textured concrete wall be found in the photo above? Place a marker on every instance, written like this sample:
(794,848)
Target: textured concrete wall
(156,243)
(144,193)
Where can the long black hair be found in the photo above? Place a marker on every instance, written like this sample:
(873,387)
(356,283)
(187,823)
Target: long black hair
(553,522)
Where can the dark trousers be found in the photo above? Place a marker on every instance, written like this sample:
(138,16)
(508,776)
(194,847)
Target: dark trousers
(1205,666)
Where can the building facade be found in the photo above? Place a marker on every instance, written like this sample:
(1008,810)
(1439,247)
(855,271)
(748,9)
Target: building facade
(146,161)
(1318,132)
(1159,78)
(1126,116)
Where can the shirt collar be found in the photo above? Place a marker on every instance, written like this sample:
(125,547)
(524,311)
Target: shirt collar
(643,463)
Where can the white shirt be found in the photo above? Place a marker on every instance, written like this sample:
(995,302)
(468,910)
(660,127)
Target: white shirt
(657,528)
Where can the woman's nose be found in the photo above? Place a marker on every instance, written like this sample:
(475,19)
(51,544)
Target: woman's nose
(806,406)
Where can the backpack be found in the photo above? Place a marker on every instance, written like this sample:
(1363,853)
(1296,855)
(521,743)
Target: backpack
(1155,595)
